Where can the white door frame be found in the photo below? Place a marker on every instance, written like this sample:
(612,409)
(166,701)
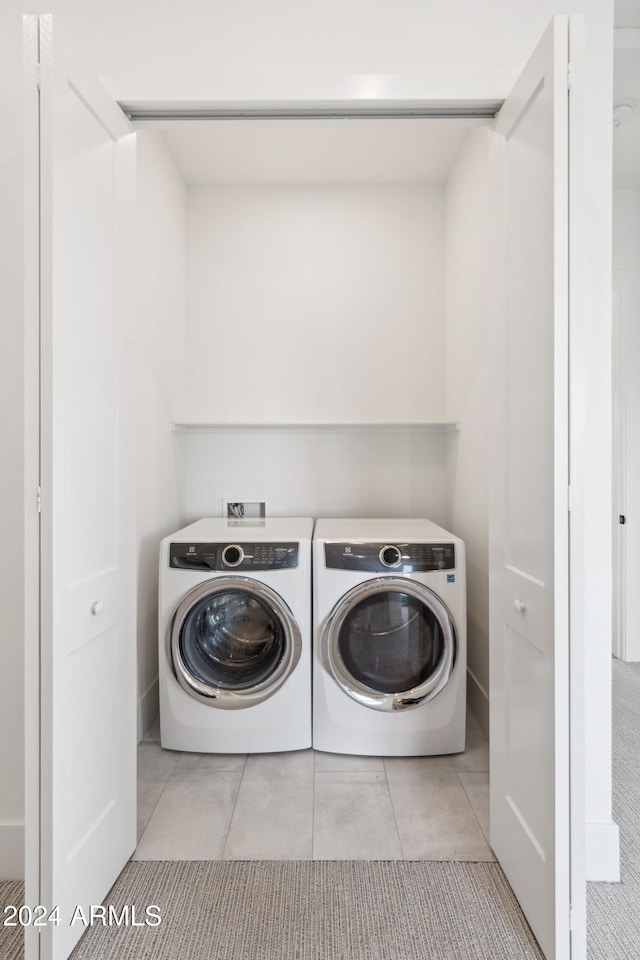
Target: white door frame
(32,478)
(619,478)
(575,479)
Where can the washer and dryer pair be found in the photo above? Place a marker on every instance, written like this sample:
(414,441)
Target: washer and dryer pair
(380,669)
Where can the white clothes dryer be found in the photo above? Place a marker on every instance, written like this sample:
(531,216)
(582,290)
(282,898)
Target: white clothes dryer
(235,636)
(389,670)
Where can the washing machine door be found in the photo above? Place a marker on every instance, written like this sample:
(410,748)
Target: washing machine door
(233,642)
(389,643)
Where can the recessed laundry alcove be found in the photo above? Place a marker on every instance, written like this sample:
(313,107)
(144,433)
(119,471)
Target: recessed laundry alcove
(307,328)
(314,331)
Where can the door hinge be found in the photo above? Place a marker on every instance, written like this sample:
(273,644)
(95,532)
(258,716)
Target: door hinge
(39,500)
(568,76)
(39,76)
(569,499)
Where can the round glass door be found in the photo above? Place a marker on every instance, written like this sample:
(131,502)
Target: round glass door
(390,643)
(234,642)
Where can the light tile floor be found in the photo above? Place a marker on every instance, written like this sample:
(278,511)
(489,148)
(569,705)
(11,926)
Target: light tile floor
(308,805)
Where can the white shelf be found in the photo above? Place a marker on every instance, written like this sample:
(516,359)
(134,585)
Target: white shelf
(426,426)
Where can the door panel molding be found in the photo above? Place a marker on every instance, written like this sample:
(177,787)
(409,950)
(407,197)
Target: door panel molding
(83,688)
(529,545)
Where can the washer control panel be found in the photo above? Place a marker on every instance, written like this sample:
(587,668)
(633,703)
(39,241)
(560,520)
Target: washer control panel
(246,557)
(390,557)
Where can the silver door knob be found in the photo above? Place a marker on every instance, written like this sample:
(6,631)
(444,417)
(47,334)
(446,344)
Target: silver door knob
(519,606)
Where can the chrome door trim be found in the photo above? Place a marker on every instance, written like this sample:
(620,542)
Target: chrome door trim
(368,697)
(218,696)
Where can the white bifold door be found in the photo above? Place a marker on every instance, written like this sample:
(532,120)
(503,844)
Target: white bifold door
(529,521)
(87,634)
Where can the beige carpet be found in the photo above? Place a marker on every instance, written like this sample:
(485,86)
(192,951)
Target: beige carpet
(304,910)
(11,938)
(314,910)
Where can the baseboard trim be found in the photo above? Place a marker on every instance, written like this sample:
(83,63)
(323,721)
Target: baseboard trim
(478,702)
(148,706)
(603,851)
(12,851)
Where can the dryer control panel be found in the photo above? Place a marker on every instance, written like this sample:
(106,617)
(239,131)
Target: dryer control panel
(246,557)
(386,557)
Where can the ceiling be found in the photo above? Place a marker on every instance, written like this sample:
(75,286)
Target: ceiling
(364,150)
(317,151)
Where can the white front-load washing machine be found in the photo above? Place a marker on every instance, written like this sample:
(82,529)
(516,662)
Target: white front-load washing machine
(389,670)
(235,636)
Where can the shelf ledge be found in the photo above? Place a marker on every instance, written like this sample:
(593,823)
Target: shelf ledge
(427,426)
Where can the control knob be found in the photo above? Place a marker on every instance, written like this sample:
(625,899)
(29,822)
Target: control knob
(390,556)
(232,555)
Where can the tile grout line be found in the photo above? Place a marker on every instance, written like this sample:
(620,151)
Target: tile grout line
(155,806)
(473,809)
(393,808)
(235,804)
(313,808)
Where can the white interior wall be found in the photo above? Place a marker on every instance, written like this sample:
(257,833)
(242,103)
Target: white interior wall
(160,387)
(12,476)
(375,48)
(467,219)
(322,472)
(626,283)
(591,445)
(316,302)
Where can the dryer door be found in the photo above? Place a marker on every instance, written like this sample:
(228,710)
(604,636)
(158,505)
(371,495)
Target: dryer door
(390,643)
(234,642)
